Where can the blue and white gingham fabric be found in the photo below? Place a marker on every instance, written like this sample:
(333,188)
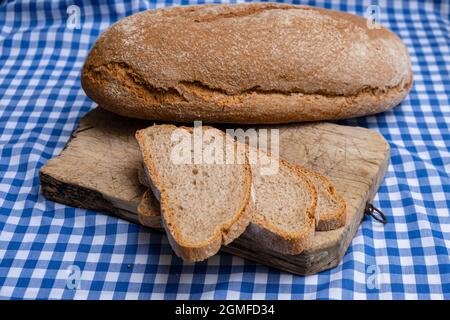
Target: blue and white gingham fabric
(51,251)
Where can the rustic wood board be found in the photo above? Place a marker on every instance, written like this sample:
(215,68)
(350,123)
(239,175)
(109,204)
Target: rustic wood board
(98,170)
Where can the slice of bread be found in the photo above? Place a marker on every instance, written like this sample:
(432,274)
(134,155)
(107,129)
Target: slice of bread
(330,211)
(204,204)
(331,207)
(283,216)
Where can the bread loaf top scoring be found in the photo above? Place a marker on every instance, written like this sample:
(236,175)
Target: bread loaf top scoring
(254,48)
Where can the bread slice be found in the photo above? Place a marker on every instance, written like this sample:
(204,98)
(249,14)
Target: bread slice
(283,216)
(330,211)
(203,204)
(331,207)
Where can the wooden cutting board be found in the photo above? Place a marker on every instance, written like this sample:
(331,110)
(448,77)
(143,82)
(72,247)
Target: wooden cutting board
(98,170)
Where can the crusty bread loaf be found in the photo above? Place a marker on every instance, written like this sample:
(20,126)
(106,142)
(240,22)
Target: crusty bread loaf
(246,63)
(203,204)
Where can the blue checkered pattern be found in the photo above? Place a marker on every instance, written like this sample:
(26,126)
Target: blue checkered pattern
(48,250)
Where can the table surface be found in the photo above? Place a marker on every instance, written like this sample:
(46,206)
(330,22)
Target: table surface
(51,251)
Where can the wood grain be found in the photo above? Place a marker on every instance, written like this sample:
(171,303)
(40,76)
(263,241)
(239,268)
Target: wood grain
(98,170)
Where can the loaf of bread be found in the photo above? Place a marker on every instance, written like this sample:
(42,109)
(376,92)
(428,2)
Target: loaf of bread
(246,63)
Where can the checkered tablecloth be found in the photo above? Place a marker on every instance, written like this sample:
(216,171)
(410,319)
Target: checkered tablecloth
(48,250)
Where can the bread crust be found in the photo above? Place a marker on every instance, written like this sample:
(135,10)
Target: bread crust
(224,234)
(246,63)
